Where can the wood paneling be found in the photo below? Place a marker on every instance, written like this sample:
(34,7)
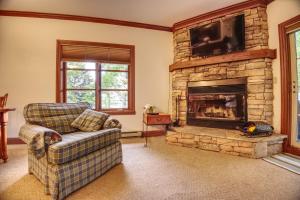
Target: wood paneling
(286,83)
(83,19)
(239,56)
(221,12)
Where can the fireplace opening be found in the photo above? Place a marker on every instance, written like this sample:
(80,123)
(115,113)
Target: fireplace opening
(220,104)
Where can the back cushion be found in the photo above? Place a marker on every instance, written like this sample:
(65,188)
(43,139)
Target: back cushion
(56,116)
(90,120)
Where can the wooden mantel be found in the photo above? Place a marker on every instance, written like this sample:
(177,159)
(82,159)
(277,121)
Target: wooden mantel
(238,56)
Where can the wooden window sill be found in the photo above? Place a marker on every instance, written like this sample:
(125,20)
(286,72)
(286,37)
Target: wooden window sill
(119,112)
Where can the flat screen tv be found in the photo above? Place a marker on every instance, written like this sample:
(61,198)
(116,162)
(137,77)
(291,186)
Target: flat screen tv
(220,37)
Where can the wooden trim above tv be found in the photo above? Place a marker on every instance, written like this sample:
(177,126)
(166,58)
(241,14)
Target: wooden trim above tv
(238,56)
(83,19)
(221,12)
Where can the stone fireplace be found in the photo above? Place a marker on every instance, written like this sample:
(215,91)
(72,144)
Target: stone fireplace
(257,104)
(224,91)
(220,103)
(254,65)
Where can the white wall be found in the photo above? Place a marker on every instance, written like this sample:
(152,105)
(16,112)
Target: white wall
(279,11)
(28,59)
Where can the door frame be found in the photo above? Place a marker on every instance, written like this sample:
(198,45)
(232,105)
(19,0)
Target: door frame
(286,83)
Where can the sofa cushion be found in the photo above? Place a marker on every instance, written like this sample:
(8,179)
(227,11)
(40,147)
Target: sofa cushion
(55,116)
(78,144)
(90,120)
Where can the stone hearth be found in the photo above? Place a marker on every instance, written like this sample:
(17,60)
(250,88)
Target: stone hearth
(225,141)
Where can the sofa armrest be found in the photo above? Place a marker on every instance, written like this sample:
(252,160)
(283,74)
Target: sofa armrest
(112,123)
(38,138)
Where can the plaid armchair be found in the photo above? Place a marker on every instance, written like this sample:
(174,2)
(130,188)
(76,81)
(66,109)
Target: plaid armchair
(61,157)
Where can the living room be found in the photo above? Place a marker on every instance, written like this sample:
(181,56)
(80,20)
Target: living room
(175,100)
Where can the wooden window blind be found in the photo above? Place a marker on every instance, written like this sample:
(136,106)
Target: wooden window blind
(96,53)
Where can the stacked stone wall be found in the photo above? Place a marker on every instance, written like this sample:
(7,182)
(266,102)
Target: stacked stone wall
(256,33)
(257,71)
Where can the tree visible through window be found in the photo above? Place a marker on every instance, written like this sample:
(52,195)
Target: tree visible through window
(114,86)
(82,84)
(99,74)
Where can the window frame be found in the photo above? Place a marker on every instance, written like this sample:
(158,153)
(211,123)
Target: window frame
(61,75)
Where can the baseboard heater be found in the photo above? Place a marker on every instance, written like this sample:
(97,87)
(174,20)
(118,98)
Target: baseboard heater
(131,134)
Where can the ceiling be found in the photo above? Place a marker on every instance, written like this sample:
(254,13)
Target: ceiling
(158,12)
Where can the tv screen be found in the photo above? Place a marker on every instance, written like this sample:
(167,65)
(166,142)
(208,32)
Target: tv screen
(221,37)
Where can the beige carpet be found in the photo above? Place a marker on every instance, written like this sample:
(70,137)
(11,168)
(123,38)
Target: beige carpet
(162,171)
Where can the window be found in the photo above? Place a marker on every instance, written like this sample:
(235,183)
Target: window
(114,86)
(80,82)
(98,73)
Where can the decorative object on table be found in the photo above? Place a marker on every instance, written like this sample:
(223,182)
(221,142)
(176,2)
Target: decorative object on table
(176,123)
(150,109)
(3,100)
(150,120)
(257,129)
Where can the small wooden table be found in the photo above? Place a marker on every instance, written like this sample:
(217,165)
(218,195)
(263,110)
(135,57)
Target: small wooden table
(3,134)
(159,119)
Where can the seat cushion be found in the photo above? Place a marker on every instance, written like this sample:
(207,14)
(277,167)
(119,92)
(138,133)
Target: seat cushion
(78,144)
(90,120)
(55,116)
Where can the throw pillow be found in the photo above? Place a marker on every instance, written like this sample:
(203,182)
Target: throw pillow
(90,120)
(112,123)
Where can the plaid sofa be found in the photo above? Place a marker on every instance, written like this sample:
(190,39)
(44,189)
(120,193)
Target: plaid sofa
(75,160)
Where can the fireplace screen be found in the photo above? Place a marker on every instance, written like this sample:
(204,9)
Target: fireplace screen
(217,105)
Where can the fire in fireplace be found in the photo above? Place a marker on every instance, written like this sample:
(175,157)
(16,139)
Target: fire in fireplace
(220,103)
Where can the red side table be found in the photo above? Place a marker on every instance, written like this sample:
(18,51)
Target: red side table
(150,120)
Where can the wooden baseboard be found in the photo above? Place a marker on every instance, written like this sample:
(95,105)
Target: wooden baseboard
(15,141)
(131,134)
(153,133)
